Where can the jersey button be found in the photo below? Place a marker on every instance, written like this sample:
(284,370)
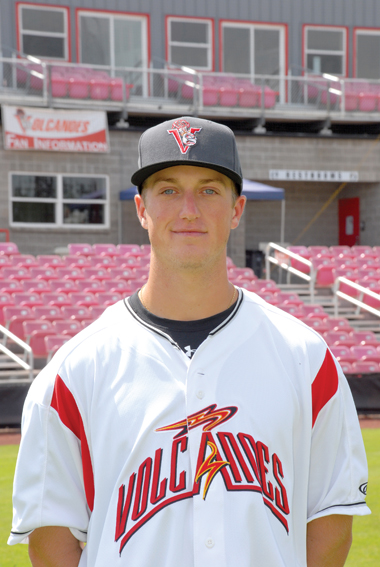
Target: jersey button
(200,394)
(210,542)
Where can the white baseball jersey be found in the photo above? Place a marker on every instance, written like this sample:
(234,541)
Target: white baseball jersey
(218,460)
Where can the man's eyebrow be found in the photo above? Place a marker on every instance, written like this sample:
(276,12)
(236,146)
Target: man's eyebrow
(200,182)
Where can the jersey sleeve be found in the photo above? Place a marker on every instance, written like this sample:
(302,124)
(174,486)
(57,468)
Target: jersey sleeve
(338,467)
(49,486)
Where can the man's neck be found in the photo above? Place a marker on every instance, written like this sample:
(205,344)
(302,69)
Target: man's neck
(184,296)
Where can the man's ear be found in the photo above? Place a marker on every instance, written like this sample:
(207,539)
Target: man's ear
(141,211)
(238,211)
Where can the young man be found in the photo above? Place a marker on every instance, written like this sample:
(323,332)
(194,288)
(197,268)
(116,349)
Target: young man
(192,424)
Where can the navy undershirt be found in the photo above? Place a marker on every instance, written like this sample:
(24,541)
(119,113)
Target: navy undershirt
(187,334)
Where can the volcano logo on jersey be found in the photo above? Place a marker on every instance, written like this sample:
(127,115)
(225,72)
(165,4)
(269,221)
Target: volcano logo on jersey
(209,417)
(184,134)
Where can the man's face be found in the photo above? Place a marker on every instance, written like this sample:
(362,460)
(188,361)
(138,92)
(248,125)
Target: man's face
(189,212)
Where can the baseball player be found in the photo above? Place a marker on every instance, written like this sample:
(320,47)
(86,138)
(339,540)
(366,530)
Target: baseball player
(192,424)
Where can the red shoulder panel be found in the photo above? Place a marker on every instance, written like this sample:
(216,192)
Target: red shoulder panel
(325,385)
(65,405)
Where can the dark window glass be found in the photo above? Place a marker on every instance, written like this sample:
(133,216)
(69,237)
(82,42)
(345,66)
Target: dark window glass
(368,56)
(332,64)
(189,56)
(33,186)
(267,52)
(236,50)
(43,20)
(325,40)
(34,212)
(43,46)
(189,32)
(95,40)
(74,213)
(84,188)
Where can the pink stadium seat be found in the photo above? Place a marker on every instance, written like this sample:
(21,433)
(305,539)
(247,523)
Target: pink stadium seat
(51,260)
(345,250)
(325,275)
(56,298)
(315,250)
(321,260)
(81,249)
(43,273)
(339,324)
(27,299)
(73,274)
(63,285)
(340,338)
(364,250)
(14,317)
(372,301)
(90,285)
(249,285)
(66,327)
(78,87)
(105,250)
(10,286)
(228,95)
(248,273)
(288,297)
(140,273)
(368,273)
(49,312)
(76,261)
(96,311)
(268,296)
(119,286)
(365,367)
(59,85)
(85,299)
(314,310)
(5,261)
(343,353)
(135,285)
(248,94)
(36,286)
(37,343)
(267,285)
(35,325)
(210,95)
(116,89)
(6,300)
(365,338)
(108,298)
(128,261)
(103,261)
(366,353)
(347,367)
(129,249)
(16,273)
(99,88)
(96,274)
(8,248)
(25,260)
(124,273)
(77,312)
(54,343)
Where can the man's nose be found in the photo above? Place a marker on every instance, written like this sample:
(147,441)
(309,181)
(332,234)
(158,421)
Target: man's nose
(189,209)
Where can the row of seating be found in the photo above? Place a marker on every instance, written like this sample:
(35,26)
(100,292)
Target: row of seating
(358,95)
(223,90)
(82,249)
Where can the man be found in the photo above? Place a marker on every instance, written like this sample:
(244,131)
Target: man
(192,424)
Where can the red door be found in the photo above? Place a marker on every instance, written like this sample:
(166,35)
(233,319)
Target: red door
(349,222)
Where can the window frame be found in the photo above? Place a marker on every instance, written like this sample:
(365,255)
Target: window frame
(364,31)
(324,27)
(66,19)
(211,46)
(59,201)
(283,27)
(112,14)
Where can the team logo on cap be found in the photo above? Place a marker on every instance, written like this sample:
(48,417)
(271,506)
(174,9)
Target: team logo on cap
(184,135)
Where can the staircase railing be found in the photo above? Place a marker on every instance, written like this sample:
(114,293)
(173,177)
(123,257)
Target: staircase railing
(27,362)
(358,302)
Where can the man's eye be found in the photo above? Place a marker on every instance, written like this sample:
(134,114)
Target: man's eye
(209,191)
(168,192)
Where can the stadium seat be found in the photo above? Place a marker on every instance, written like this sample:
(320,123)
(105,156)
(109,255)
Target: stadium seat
(24,260)
(35,325)
(6,300)
(54,343)
(338,324)
(268,296)
(294,310)
(248,285)
(85,299)
(76,261)
(365,338)
(315,250)
(43,273)
(128,261)
(118,285)
(108,298)
(10,286)
(5,261)
(56,298)
(37,343)
(70,273)
(50,260)
(347,367)
(247,273)
(339,338)
(66,327)
(344,250)
(27,299)
(96,311)
(97,274)
(76,312)
(129,249)
(14,317)
(49,312)
(267,285)
(124,273)
(16,273)
(343,353)
(90,285)
(319,325)
(9,248)
(365,367)
(364,250)
(314,310)
(325,275)
(106,250)
(36,286)
(288,297)
(366,353)
(81,249)
(63,286)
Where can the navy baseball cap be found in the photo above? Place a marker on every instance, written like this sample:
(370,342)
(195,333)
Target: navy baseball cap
(188,141)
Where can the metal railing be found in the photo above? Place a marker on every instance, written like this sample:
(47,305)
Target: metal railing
(28,353)
(283,259)
(31,81)
(358,302)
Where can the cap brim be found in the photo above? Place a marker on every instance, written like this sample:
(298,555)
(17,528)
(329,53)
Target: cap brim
(142,174)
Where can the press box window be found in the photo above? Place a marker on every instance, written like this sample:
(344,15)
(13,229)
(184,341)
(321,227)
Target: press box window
(59,200)
(43,31)
(325,50)
(190,43)
(367,54)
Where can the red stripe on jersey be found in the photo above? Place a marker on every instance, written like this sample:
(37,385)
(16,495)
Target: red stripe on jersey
(65,405)
(325,385)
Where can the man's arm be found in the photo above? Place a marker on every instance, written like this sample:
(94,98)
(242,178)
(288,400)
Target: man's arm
(54,546)
(328,541)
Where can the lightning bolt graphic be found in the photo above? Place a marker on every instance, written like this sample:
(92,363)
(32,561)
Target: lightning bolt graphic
(209,417)
(211,467)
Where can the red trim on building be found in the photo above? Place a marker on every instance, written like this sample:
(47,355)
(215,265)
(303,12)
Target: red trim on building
(65,405)
(258,24)
(19,5)
(354,56)
(321,26)
(212,38)
(325,385)
(116,13)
